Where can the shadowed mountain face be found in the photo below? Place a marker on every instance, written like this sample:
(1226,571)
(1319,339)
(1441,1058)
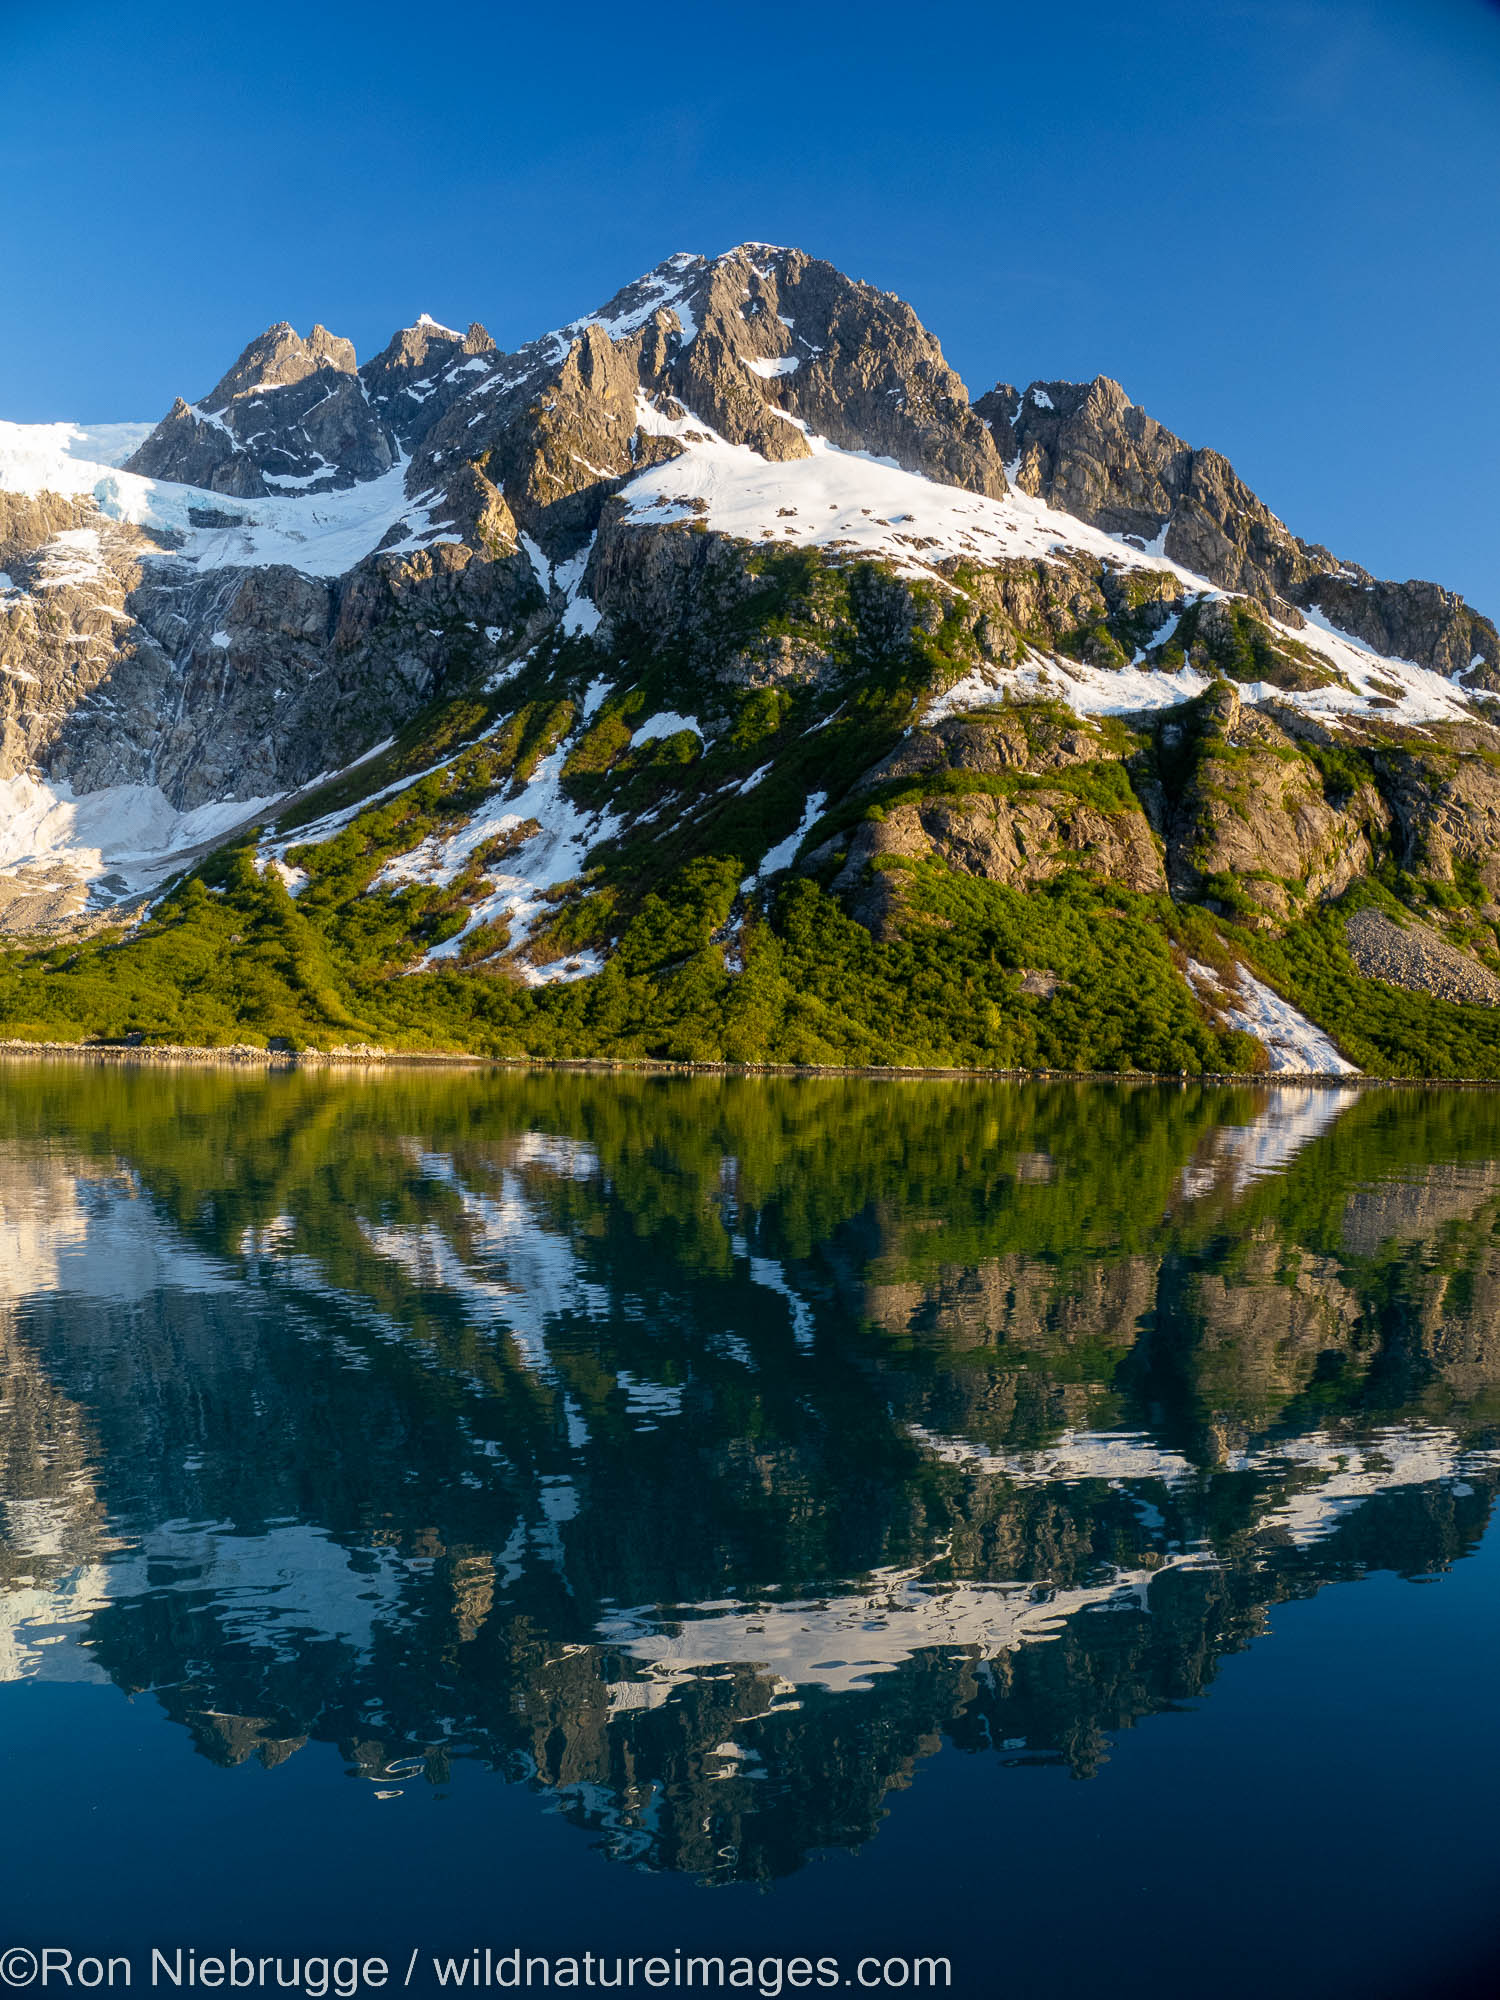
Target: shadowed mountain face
(291,415)
(706,1456)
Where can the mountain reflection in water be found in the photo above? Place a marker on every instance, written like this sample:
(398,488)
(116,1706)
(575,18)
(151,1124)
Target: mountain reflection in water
(703,1453)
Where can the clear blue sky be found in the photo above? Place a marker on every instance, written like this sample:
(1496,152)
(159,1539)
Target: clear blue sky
(1277,222)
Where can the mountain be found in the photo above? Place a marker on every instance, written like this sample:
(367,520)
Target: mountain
(712,680)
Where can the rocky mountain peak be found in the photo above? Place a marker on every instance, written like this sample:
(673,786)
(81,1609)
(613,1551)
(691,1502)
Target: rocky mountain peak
(291,416)
(858,367)
(766,334)
(1086,449)
(278,357)
(421,371)
(763,346)
(413,345)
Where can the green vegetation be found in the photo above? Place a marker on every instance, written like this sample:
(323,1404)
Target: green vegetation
(241,960)
(1232,639)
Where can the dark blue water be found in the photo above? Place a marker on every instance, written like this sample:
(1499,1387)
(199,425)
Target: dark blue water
(1043,1529)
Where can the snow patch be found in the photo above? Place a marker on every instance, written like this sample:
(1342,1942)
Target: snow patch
(563,971)
(581,618)
(657,292)
(541,568)
(64,458)
(73,557)
(324,534)
(666,722)
(1295,1046)
(784,853)
(294,880)
(849,500)
(1417,694)
(1086,690)
(554,853)
(129,832)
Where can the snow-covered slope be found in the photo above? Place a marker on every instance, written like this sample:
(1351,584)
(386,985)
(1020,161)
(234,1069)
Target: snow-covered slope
(65,457)
(853,506)
(323,535)
(126,831)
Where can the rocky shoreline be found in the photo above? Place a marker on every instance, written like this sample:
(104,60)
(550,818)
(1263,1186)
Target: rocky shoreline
(245,1055)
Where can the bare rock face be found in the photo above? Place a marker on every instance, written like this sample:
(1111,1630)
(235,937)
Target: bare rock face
(1019,839)
(1087,448)
(1256,814)
(1409,621)
(66,636)
(123,666)
(783,332)
(291,416)
(735,370)
(422,372)
(1447,809)
(1021,738)
(692,584)
(569,444)
(481,513)
(556,428)
(279,358)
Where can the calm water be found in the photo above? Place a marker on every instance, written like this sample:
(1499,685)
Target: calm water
(1046,1527)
